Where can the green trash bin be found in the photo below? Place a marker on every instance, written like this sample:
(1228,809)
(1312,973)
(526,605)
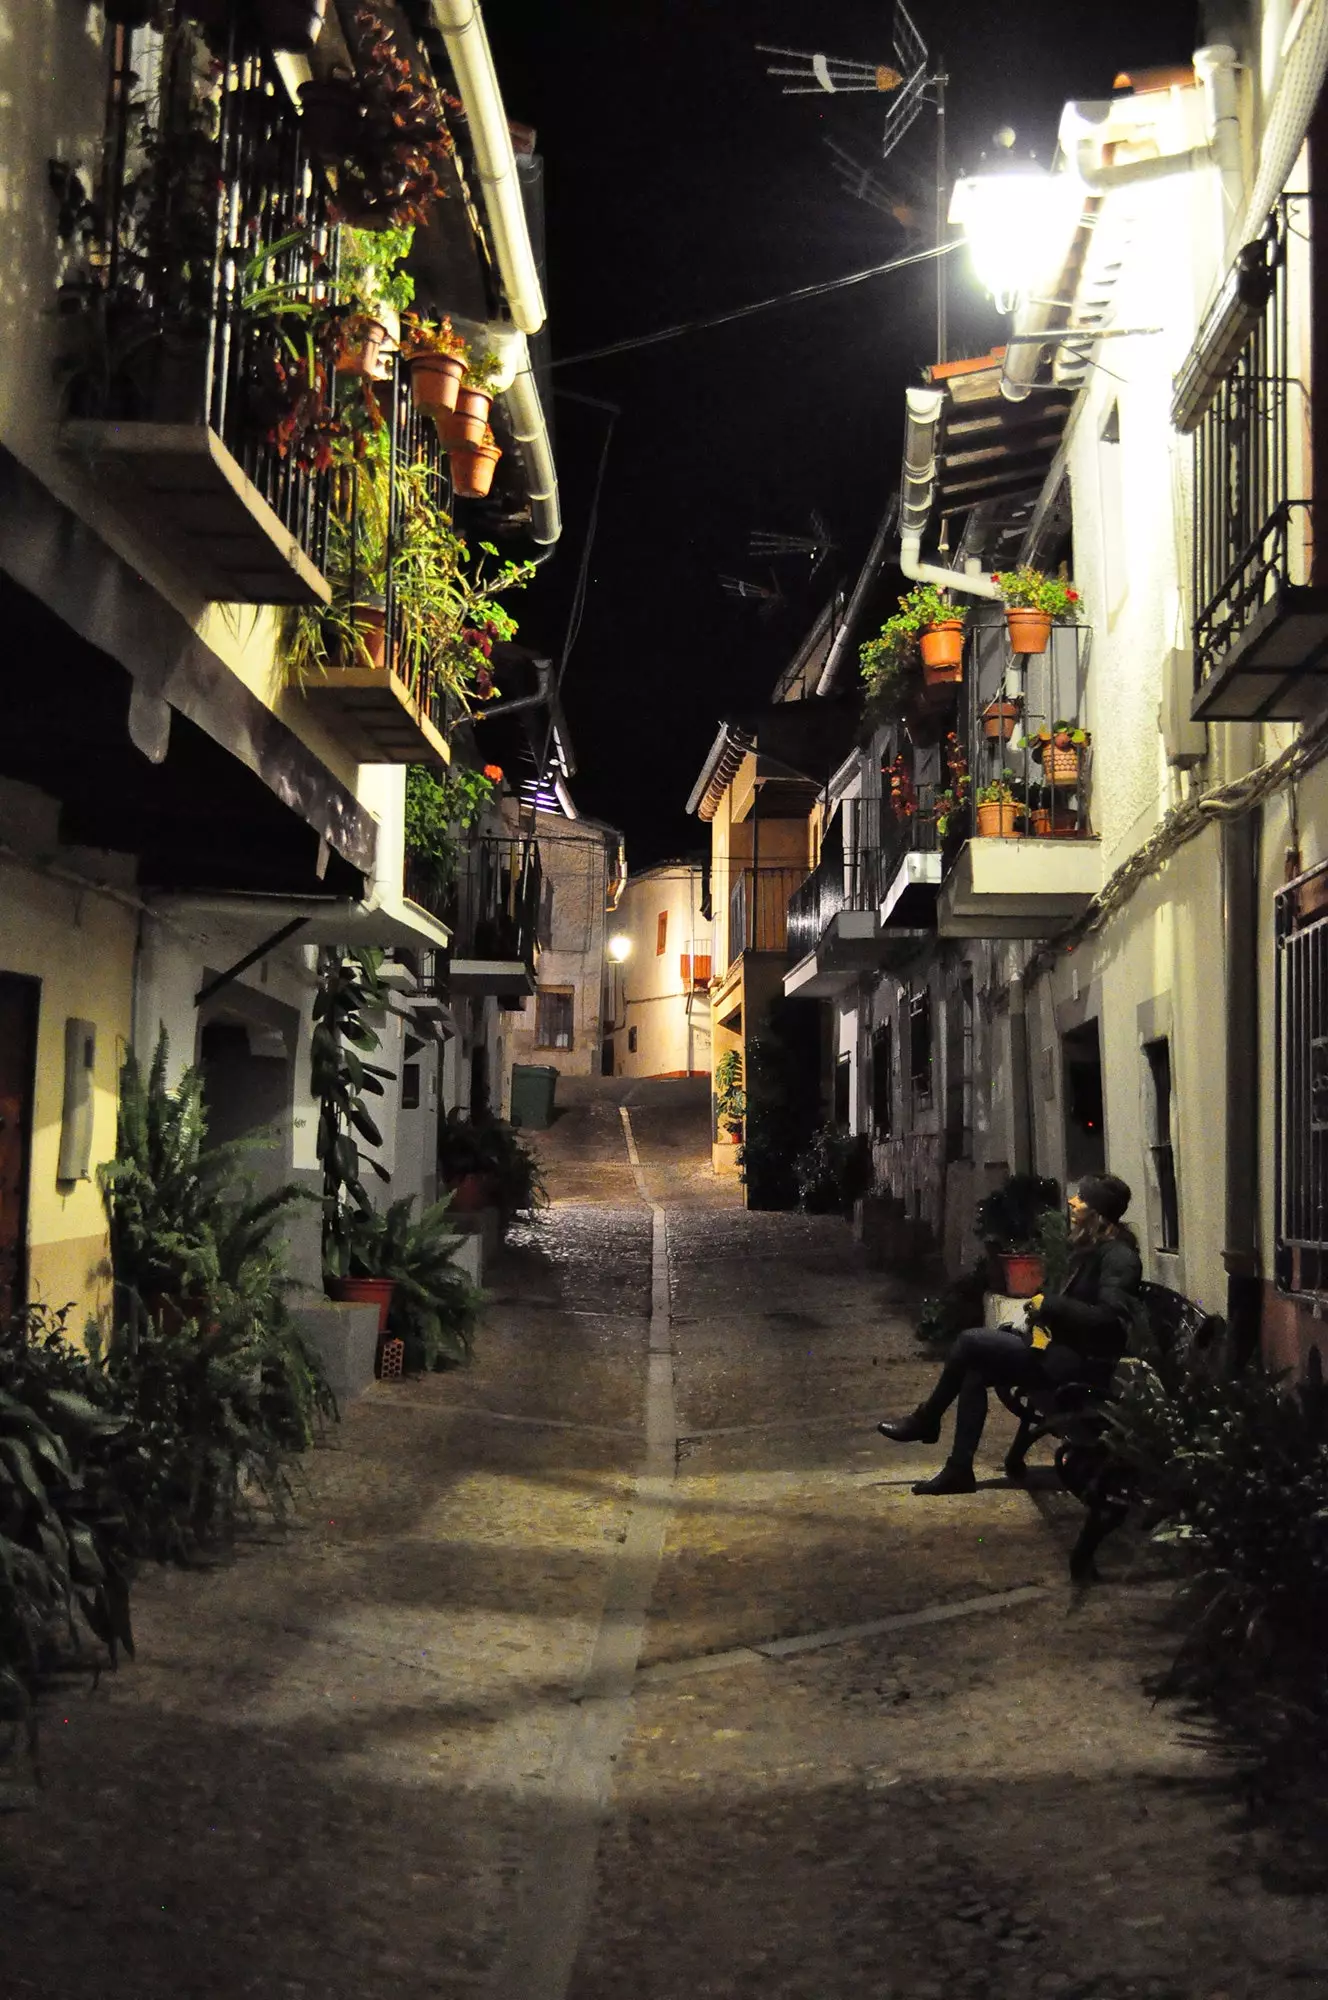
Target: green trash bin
(533,1087)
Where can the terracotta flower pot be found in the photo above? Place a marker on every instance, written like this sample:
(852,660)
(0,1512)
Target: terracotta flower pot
(472,467)
(999,718)
(468,419)
(939,683)
(1060,766)
(943,645)
(363,355)
(370,622)
(997,821)
(1021,1274)
(471,1192)
(434,382)
(363,1292)
(1029,630)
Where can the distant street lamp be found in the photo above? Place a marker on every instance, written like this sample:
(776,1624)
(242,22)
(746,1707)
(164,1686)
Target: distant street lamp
(619,948)
(1018,221)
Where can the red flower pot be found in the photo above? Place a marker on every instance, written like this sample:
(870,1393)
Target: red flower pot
(363,1292)
(471,1192)
(1022,1274)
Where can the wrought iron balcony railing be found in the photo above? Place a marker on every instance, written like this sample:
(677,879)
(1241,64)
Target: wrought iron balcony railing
(849,875)
(1020,739)
(491,904)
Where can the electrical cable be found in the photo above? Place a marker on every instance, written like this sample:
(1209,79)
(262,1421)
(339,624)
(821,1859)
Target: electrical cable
(574,616)
(758,305)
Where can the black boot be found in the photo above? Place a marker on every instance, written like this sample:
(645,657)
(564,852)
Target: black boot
(921,1428)
(950,1479)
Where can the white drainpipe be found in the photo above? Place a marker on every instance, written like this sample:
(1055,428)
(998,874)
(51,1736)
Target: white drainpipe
(923,413)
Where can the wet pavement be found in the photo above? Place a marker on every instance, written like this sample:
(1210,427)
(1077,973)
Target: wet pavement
(343,1765)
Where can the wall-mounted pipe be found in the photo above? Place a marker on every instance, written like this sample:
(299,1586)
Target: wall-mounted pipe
(922,414)
(525,414)
(462,27)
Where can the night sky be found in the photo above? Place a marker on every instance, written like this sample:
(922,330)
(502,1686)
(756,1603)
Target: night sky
(680,182)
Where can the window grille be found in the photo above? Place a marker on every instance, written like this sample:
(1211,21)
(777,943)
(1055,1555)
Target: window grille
(1301,1085)
(919,1044)
(1157,1055)
(883,1081)
(553,1017)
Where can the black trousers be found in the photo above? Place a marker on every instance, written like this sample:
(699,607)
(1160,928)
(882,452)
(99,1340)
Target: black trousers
(988,1357)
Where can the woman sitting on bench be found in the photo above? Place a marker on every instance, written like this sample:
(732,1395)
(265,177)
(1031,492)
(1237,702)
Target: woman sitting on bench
(1089,1324)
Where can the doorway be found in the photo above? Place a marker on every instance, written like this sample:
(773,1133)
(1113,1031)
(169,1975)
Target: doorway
(19,999)
(1085,1125)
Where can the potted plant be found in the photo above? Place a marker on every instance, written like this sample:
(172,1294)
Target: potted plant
(1032,600)
(436,359)
(1009,1222)
(949,805)
(349,989)
(903,791)
(472,466)
(888,664)
(483,1164)
(375,287)
(468,421)
(730,1097)
(999,718)
(1060,751)
(382,132)
(998,808)
(939,625)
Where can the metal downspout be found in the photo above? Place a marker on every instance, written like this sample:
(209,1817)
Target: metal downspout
(1240,908)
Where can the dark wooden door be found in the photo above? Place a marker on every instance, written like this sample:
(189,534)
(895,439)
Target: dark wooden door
(18,1062)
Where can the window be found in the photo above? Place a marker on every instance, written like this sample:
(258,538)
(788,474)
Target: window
(410,1086)
(1157,1055)
(553,1017)
(661,933)
(1302,1086)
(919,1044)
(695,971)
(843,1089)
(883,1080)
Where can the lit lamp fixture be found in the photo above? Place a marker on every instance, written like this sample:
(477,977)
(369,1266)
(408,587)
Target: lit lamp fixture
(1018,221)
(619,948)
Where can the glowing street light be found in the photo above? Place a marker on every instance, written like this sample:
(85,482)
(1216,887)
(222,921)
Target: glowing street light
(619,948)
(1018,222)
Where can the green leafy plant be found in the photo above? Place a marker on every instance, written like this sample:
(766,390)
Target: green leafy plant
(730,1097)
(834,1171)
(493,1148)
(1008,1218)
(1053,1240)
(434,1305)
(999,791)
(482,373)
(349,990)
(1028,589)
(441,808)
(929,605)
(424,337)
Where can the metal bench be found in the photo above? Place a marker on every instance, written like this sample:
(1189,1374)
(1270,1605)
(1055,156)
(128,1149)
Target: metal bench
(1172,1328)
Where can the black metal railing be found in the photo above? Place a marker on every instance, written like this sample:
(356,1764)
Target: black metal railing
(1245,504)
(1301,1087)
(416,461)
(849,875)
(491,903)
(205,166)
(1019,761)
(758,909)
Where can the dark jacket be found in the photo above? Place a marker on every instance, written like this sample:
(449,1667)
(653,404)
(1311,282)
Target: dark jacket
(1095,1313)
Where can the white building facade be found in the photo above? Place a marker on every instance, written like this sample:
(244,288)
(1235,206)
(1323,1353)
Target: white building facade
(657,1004)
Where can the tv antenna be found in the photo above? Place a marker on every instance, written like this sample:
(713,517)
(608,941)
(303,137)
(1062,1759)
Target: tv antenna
(910,83)
(767,596)
(816,546)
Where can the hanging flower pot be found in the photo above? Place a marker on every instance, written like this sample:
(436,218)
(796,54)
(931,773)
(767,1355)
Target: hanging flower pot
(363,1292)
(362,353)
(999,718)
(1022,1274)
(468,419)
(472,467)
(997,820)
(942,647)
(332,117)
(434,382)
(1030,631)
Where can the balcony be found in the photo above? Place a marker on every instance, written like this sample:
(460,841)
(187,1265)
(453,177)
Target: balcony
(838,925)
(205,163)
(758,910)
(492,908)
(1261,633)
(1024,865)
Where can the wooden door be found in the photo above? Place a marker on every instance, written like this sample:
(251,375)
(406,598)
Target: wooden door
(18,1062)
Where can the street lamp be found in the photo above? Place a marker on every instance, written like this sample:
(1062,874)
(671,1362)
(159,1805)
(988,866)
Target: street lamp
(619,948)
(1018,221)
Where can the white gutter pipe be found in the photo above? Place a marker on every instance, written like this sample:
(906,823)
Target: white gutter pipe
(462,27)
(525,414)
(922,414)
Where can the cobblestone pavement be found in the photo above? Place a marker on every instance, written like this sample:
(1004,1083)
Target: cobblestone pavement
(334,1769)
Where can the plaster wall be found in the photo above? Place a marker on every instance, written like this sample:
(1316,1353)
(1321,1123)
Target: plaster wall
(573,929)
(648,995)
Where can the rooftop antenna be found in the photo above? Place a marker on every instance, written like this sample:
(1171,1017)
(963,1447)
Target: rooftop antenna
(816,546)
(767,596)
(910,82)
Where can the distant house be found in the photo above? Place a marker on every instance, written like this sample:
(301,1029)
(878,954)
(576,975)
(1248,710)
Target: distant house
(657,979)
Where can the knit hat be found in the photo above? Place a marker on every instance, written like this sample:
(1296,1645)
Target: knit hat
(1108,1196)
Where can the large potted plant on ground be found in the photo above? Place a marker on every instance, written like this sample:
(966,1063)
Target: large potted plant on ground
(349,989)
(1032,601)
(1009,1222)
(483,1164)
(998,809)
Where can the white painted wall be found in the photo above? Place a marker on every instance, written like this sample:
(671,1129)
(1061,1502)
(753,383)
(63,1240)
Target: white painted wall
(646,994)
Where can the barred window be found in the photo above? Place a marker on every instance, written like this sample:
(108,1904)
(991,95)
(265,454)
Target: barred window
(1302,1085)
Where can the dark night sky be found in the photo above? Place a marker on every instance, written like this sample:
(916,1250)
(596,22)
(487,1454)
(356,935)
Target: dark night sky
(680,182)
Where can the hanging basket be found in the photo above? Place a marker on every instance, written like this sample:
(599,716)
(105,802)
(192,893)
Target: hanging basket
(472,467)
(999,718)
(943,646)
(468,418)
(998,820)
(434,382)
(1029,630)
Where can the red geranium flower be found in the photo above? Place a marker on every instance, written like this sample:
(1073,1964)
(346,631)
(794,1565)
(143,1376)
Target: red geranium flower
(494,773)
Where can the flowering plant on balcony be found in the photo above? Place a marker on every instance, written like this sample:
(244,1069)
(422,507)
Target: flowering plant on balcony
(903,792)
(927,604)
(420,337)
(400,144)
(889,667)
(441,809)
(999,791)
(1028,589)
(949,804)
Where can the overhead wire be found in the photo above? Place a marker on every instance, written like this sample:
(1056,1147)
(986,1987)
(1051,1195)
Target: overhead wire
(757,306)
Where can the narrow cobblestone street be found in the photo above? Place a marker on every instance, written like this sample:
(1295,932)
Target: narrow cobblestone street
(350,1764)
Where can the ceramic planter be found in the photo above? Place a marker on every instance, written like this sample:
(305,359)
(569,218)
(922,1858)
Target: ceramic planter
(434,382)
(942,645)
(1029,630)
(371,631)
(363,1292)
(999,718)
(1021,1274)
(1060,764)
(468,419)
(472,467)
(997,821)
